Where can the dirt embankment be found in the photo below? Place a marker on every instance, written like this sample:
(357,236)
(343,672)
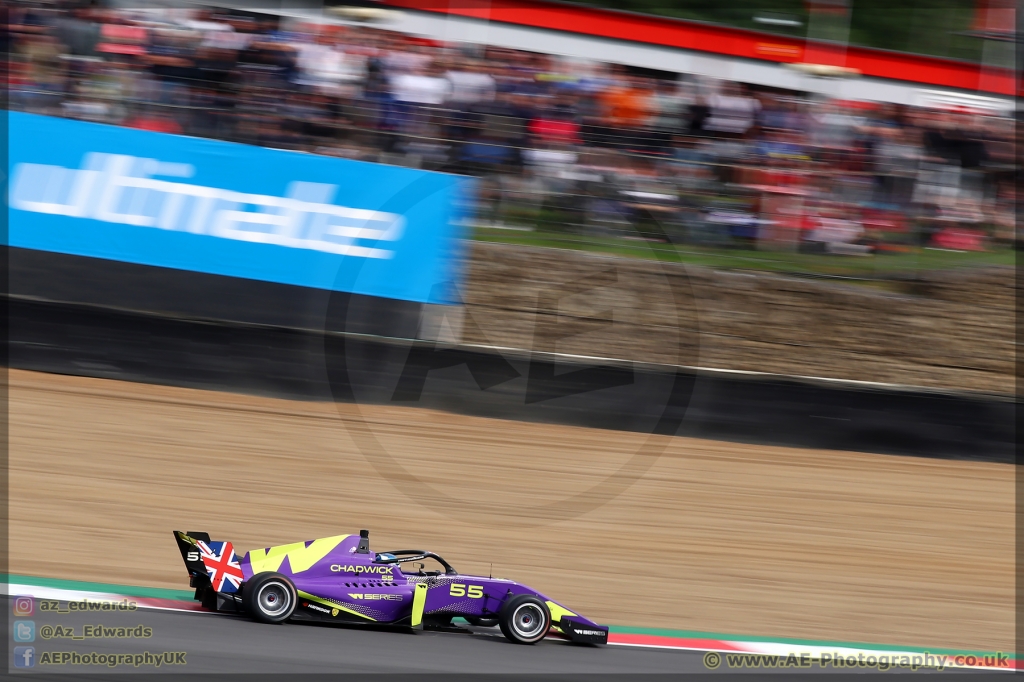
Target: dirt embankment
(712,536)
(956,333)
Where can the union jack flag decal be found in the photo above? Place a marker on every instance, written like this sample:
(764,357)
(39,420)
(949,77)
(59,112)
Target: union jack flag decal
(221,565)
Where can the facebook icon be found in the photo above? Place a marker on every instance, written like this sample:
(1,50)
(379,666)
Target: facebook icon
(24,656)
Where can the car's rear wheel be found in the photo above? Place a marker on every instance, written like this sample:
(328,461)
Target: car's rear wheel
(269,598)
(524,619)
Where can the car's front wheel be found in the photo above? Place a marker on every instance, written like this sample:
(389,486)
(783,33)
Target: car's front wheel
(269,597)
(524,619)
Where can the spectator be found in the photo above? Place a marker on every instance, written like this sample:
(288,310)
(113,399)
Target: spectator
(318,63)
(418,93)
(78,31)
(898,158)
(628,104)
(157,120)
(669,104)
(732,112)
(171,62)
(556,125)
(469,84)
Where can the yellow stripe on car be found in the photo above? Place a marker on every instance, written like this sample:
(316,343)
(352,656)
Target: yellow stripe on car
(185,537)
(419,600)
(300,557)
(557,611)
(333,605)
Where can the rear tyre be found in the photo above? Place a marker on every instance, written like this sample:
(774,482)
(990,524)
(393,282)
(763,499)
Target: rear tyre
(524,619)
(269,598)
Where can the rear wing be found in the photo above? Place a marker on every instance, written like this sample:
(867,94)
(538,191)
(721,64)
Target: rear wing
(213,570)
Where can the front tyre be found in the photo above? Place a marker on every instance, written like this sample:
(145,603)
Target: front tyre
(269,597)
(524,619)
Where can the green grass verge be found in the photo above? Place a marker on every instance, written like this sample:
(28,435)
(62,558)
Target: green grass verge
(868,267)
(126,590)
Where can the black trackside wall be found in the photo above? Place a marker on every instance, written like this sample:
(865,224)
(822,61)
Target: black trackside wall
(81,281)
(110,319)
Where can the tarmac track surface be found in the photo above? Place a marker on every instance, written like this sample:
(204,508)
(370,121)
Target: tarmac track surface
(221,643)
(234,647)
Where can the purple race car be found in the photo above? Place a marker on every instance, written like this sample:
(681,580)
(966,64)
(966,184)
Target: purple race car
(339,580)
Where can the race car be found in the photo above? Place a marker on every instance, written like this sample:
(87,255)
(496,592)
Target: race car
(339,580)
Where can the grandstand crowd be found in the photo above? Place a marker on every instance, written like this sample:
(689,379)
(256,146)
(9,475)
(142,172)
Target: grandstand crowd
(562,145)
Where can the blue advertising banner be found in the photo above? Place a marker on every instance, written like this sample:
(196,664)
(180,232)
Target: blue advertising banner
(229,209)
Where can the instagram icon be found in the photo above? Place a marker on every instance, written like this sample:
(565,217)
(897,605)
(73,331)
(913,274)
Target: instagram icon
(24,606)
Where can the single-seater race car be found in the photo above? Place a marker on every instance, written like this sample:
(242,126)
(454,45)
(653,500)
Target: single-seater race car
(339,580)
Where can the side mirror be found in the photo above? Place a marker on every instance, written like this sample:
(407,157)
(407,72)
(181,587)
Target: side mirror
(364,542)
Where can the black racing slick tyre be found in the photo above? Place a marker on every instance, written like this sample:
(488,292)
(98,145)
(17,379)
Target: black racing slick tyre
(524,619)
(269,597)
(481,621)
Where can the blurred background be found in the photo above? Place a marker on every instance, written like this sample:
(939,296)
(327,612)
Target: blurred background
(778,235)
(576,152)
(823,142)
